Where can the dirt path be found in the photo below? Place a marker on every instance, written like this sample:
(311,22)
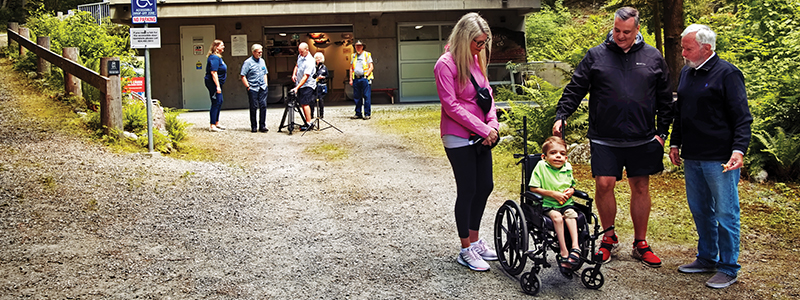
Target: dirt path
(273,221)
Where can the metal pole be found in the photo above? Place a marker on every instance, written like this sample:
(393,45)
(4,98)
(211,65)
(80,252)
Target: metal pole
(148,98)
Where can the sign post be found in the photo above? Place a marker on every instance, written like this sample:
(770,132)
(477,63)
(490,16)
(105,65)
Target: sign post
(145,12)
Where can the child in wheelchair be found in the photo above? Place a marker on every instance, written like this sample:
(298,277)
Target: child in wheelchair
(552,179)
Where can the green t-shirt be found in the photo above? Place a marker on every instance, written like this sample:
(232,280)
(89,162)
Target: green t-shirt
(546,177)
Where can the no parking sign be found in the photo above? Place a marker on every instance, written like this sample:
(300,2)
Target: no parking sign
(144,11)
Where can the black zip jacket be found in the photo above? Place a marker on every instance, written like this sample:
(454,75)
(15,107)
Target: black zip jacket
(712,116)
(627,91)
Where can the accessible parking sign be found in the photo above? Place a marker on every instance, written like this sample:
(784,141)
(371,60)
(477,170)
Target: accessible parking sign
(144,11)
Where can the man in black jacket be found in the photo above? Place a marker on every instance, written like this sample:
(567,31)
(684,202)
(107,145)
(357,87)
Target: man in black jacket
(629,117)
(711,133)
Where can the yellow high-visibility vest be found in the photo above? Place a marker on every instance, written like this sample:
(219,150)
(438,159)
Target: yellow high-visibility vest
(367,57)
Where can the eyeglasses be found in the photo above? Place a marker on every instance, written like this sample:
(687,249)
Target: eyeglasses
(482,43)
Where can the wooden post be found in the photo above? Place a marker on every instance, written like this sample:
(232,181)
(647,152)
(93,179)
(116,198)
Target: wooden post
(12,26)
(111,103)
(43,67)
(24,32)
(72,84)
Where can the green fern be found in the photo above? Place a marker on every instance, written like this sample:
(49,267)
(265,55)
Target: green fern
(782,151)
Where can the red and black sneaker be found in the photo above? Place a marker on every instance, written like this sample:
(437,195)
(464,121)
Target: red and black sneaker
(642,251)
(608,243)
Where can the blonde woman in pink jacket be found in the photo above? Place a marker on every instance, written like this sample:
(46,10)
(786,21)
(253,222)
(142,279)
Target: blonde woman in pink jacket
(468,132)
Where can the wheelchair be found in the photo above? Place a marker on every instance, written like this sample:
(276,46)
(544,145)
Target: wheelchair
(522,231)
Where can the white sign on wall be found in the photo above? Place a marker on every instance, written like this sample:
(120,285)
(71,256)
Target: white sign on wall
(145,38)
(239,45)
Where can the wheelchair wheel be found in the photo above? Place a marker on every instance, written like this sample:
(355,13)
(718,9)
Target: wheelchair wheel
(592,278)
(530,283)
(511,237)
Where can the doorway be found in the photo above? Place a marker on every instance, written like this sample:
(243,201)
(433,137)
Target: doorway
(195,42)
(419,47)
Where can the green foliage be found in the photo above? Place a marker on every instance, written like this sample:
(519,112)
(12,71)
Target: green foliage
(134,117)
(82,31)
(135,121)
(783,152)
(175,126)
(161,142)
(554,34)
(27,63)
(538,104)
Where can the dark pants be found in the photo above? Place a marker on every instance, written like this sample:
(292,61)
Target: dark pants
(362,93)
(321,92)
(474,183)
(258,102)
(216,101)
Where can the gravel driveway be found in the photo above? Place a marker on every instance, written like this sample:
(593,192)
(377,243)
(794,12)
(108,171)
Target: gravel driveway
(271,222)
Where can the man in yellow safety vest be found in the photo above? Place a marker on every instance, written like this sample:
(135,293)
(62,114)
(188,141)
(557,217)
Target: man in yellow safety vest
(361,79)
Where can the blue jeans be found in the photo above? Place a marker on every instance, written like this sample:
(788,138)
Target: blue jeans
(713,198)
(362,90)
(216,100)
(258,102)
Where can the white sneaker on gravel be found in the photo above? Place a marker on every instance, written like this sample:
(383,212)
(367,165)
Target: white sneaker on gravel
(214,129)
(470,258)
(483,250)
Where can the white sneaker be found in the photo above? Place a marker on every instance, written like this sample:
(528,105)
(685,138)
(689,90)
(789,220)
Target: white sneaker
(221,127)
(472,259)
(214,129)
(483,250)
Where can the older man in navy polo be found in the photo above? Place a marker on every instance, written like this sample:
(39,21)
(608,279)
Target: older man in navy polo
(711,134)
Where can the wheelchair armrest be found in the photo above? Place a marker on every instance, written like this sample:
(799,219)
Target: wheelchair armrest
(533,197)
(581,194)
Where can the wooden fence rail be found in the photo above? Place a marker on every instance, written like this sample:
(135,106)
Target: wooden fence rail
(110,86)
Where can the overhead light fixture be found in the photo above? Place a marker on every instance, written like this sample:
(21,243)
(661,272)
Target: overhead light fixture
(418,27)
(282,34)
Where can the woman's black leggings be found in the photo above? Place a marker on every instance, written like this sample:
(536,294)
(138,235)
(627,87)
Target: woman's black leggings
(474,183)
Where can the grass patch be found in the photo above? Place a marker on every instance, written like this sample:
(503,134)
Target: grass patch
(199,148)
(328,151)
(418,127)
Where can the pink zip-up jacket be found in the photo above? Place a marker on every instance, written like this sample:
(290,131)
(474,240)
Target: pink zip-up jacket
(461,115)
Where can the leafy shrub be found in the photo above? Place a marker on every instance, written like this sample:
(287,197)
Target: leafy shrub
(538,104)
(134,117)
(782,153)
(554,34)
(175,126)
(27,63)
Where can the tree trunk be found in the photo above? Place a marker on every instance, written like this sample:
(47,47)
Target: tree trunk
(657,24)
(673,26)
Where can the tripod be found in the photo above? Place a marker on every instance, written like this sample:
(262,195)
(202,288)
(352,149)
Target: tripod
(288,113)
(317,119)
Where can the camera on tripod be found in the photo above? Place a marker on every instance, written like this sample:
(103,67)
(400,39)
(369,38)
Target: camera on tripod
(291,98)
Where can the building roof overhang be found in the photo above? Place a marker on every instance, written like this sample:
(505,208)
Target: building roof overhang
(120,9)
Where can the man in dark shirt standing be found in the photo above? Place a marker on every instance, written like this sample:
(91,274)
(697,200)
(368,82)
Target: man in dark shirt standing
(711,133)
(629,117)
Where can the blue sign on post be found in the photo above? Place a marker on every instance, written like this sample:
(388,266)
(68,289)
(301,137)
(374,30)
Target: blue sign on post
(144,11)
